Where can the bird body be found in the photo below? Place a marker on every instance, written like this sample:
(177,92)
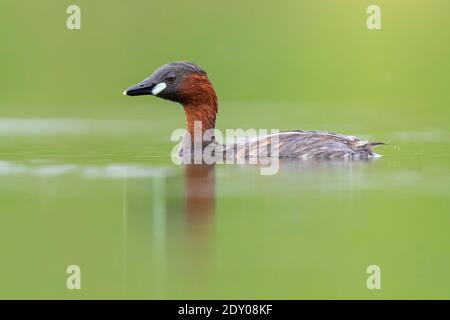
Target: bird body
(188,84)
(305,145)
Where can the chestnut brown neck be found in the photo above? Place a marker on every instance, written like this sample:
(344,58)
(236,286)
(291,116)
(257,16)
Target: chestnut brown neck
(199,102)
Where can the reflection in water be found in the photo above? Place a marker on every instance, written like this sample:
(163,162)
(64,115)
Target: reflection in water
(181,233)
(199,191)
(199,205)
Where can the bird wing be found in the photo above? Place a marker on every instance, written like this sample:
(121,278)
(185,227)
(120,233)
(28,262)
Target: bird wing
(307,145)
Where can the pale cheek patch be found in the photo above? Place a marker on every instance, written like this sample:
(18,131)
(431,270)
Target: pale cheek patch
(158,88)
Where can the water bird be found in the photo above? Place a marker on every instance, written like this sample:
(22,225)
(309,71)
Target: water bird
(188,84)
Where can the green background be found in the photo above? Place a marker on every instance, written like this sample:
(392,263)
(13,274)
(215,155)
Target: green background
(308,232)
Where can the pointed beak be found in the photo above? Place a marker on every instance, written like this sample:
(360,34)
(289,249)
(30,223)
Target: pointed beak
(142,88)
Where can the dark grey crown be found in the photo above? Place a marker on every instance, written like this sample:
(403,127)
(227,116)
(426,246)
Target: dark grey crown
(183,65)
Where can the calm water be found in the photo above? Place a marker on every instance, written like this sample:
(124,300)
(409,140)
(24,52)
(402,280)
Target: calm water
(86,177)
(103,195)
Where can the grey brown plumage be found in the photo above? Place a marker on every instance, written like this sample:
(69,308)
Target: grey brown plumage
(306,145)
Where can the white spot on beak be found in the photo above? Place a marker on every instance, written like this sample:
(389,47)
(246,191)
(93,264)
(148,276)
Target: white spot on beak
(124,93)
(158,88)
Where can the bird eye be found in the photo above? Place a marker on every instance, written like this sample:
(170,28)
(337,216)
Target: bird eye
(170,78)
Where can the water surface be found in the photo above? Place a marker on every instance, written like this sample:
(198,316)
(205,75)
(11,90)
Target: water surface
(102,194)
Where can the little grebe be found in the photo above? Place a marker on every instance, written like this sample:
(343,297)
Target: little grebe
(187,84)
